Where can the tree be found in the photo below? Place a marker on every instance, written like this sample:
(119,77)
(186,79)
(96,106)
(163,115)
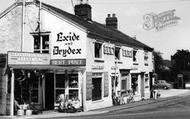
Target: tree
(181,65)
(158,62)
(181,61)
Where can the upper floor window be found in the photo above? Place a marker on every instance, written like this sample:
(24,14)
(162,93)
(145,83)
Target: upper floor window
(146,58)
(117,53)
(134,55)
(98,50)
(41,43)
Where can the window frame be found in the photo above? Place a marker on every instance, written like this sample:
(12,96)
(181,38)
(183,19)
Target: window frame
(134,56)
(100,50)
(146,57)
(37,89)
(119,53)
(41,41)
(95,76)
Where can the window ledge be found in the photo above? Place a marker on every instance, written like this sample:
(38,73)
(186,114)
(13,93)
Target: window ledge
(97,101)
(135,63)
(118,62)
(99,60)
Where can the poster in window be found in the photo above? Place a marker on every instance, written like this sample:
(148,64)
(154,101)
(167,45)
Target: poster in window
(88,85)
(106,84)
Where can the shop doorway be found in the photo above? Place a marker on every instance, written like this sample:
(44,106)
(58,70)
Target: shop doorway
(142,85)
(134,83)
(96,91)
(49,91)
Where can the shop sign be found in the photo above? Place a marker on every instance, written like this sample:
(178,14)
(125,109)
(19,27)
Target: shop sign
(127,53)
(108,50)
(97,67)
(161,20)
(68,45)
(26,58)
(69,62)
(114,68)
(134,68)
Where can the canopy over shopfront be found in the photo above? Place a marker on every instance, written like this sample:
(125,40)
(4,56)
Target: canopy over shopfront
(30,63)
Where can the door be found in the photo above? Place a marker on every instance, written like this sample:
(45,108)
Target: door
(142,85)
(49,91)
(96,91)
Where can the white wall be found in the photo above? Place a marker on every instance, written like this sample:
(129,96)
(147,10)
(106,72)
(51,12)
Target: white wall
(10,29)
(55,24)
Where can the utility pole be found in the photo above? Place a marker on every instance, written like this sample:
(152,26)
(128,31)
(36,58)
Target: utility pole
(39,23)
(23,24)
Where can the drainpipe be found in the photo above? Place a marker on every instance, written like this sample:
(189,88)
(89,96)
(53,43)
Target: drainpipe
(12,94)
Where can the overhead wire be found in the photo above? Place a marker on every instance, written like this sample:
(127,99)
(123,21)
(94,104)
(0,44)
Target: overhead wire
(139,2)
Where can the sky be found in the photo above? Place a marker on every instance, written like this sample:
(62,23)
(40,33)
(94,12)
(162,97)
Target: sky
(131,14)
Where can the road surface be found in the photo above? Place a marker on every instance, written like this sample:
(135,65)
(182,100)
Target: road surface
(176,108)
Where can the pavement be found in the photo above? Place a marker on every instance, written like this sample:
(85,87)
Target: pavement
(165,95)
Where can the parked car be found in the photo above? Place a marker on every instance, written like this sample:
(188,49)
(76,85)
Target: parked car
(162,84)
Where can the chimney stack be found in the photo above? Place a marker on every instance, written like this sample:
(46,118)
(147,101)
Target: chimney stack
(111,21)
(83,10)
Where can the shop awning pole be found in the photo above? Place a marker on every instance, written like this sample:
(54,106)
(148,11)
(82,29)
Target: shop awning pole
(12,94)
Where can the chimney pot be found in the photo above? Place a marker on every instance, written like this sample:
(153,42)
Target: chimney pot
(83,11)
(111,21)
(113,15)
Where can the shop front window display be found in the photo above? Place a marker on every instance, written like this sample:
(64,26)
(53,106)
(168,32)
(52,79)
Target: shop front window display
(26,91)
(68,105)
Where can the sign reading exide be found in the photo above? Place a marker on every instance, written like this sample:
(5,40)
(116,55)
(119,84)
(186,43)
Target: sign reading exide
(67,46)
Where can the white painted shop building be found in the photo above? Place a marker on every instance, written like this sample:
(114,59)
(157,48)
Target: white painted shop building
(51,52)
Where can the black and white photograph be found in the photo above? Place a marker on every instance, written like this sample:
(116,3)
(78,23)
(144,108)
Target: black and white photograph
(94,59)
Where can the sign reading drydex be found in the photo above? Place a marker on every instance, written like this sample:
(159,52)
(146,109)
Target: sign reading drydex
(68,45)
(160,21)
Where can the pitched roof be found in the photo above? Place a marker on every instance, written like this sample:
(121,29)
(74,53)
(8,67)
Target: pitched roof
(96,30)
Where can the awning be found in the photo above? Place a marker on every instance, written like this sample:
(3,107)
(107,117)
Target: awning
(47,67)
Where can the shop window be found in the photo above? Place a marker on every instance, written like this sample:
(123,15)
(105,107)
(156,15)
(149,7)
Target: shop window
(35,91)
(60,84)
(73,81)
(60,81)
(117,53)
(97,89)
(98,50)
(59,91)
(41,44)
(73,86)
(73,94)
(27,86)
